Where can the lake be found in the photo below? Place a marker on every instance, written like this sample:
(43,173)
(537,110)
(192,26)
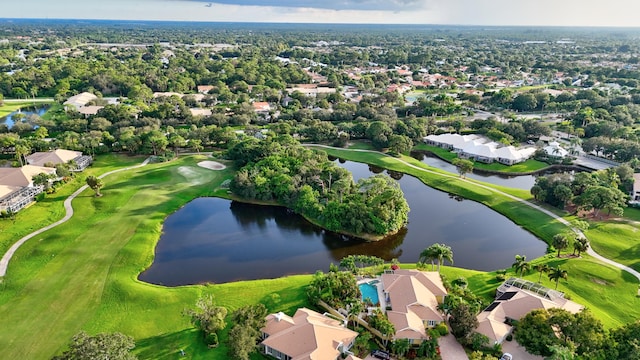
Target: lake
(37,110)
(217,240)
(525,182)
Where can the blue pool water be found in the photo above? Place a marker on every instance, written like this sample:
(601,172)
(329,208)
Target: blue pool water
(369,292)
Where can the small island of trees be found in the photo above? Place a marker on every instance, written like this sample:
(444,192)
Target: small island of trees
(279,171)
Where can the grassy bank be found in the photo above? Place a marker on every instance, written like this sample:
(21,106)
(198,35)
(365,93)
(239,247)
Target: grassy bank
(10,107)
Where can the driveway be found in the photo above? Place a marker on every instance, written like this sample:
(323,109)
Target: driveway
(518,352)
(450,348)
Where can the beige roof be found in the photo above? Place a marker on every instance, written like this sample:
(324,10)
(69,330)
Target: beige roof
(22,176)
(80,100)
(205,88)
(90,110)
(200,112)
(636,183)
(58,156)
(413,297)
(520,303)
(7,190)
(306,335)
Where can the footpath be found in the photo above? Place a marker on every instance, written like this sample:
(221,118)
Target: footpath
(4,262)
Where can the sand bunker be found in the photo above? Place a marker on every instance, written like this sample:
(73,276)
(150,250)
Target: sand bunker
(211,165)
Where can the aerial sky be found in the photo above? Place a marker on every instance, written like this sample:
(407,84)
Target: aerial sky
(456,12)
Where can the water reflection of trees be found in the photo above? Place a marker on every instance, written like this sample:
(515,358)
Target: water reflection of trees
(387,249)
(396,175)
(248,216)
(375,169)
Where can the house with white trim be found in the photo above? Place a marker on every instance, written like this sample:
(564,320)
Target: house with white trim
(16,186)
(60,156)
(479,148)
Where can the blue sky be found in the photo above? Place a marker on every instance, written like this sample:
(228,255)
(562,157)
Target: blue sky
(467,12)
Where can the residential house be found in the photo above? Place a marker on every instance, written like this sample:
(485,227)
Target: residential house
(412,299)
(516,298)
(16,186)
(77,102)
(60,156)
(307,335)
(480,149)
(204,89)
(555,150)
(311,90)
(90,110)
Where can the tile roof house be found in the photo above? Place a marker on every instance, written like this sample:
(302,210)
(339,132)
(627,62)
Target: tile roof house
(514,303)
(77,102)
(635,194)
(204,89)
(60,156)
(16,186)
(481,149)
(307,335)
(413,297)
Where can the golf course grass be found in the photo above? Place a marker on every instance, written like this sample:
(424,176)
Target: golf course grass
(82,275)
(10,107)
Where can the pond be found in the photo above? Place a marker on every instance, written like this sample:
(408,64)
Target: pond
(525,182)
(9,120)
(217,240)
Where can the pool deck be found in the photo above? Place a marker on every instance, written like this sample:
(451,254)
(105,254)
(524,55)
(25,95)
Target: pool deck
(381,297)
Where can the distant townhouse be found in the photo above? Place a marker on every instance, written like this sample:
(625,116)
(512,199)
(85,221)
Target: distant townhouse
(307,335)
(311,90)
(515,298)
(413,297)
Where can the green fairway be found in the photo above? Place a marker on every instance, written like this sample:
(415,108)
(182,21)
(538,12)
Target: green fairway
(617,240)
(82,274)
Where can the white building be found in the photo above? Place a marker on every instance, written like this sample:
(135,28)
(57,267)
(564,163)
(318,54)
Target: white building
(480,149)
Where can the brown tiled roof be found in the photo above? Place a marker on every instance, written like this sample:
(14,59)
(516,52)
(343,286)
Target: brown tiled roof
(58,156)
(307,335)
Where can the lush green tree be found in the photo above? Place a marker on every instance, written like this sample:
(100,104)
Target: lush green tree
(115,346)
(208,318)
(626,341)
(560,242)
(400,347)
(462,321)
(245,333)
(95,184)
(525,102)
(580,245)
(336,288)
(400,144)
(542,268)
(464,166)
(521,265)
(557,274)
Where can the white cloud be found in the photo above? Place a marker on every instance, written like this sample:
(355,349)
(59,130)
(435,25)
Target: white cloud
(468,12)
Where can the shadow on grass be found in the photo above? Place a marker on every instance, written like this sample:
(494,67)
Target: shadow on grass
(168,346)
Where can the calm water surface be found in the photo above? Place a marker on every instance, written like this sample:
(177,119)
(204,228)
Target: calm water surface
(216,240)
(9,119)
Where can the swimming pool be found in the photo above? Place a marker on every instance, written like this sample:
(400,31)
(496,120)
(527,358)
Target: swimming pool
(369,292)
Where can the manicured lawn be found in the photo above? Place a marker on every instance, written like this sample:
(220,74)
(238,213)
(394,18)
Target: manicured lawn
(523,167)
(632,213)
(51,208)
(361,145)
(82,275)
(618,241)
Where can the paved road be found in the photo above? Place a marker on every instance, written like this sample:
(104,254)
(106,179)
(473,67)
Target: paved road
(591,252)
(37,100)
(4,262)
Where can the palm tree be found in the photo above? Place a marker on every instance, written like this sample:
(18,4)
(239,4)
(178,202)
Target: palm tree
(401,347)
(542,268)
(557,274)
(355,308)
(580,244)
(443,252)
(560,242)
(428,254)
(521,265)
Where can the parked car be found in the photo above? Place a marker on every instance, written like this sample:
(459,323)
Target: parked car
(506,356)
(379,354)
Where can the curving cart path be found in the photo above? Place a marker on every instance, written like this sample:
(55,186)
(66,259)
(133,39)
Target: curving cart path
(4,262)
(590,251)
